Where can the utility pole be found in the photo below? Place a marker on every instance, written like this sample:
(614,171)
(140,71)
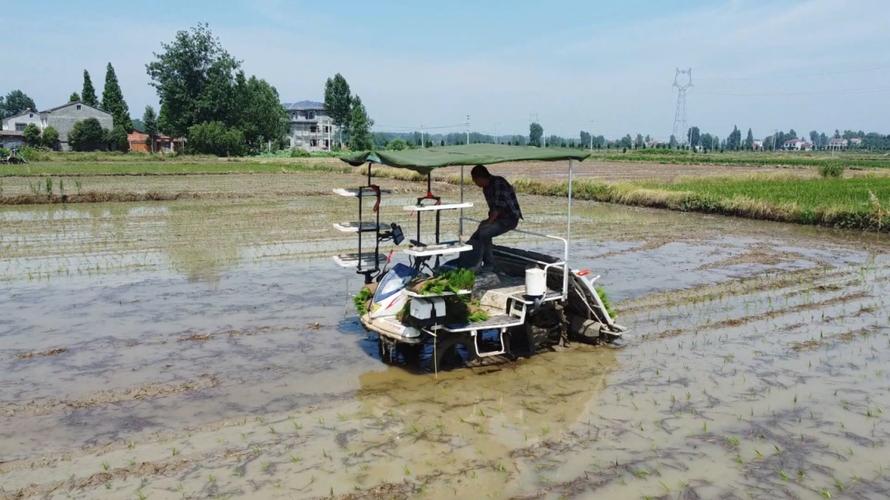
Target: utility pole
(422,141)
(682,82)
(468,130)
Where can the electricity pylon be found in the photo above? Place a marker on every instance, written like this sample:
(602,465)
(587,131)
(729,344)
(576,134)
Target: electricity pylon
(682,82)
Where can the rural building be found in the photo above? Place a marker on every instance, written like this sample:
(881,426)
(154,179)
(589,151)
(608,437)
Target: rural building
(855,142)
(757,145)
(797,145)
(309,126)
(61,118)
(837,143)
(162,143)
(11,139)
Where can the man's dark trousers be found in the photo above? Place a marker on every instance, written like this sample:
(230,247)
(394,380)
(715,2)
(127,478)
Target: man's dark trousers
(481,239)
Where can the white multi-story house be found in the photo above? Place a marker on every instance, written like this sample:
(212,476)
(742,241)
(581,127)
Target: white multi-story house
(309,126)
(797,145)
(62,118)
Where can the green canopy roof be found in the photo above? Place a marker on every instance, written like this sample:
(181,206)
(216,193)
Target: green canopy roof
(424,160)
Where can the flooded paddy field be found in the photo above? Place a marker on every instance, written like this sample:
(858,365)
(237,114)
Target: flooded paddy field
(208,348)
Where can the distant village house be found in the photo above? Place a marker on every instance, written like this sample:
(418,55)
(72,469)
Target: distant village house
(838,143)
(309,126)
(61,118)
(797,145)
(139,143)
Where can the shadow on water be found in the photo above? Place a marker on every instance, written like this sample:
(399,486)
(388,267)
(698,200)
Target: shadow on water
(352,327)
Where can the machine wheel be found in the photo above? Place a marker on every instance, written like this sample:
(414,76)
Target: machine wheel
(385,349)
(410,353)
(454,351)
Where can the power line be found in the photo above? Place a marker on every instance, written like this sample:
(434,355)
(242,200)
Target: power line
(780,74)
(860,91)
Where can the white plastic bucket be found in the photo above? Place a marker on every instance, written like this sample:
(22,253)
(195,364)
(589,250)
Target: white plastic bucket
(535,282)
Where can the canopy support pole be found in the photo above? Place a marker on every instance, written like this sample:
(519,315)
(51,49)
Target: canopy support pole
(460,224)
(565,274)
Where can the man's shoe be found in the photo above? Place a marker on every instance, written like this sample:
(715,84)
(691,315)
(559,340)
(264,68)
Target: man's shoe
(487,268)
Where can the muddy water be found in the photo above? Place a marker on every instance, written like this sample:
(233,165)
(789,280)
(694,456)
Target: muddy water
(209,349)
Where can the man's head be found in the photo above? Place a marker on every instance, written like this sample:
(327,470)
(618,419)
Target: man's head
(480,175)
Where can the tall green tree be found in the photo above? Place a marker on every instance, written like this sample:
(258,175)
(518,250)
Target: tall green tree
(734,141)
(195,78)
(150,122)
(749,140)
(261,117)
(535,133)
(198,82)
(814,138)
(694,137)
(74,97)
(88,92)
(113,100)
(15,102)
(338,102)
(360,127)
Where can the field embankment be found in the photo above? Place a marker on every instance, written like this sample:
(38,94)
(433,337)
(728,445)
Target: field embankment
(859,200)
(849,159)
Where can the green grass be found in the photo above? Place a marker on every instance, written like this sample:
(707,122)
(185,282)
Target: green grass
(771,158)
(809,194)
(170,167)
(856,203)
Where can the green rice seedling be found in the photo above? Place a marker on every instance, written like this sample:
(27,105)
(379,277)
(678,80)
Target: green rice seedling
(839,484)
(361,300)
(49,186)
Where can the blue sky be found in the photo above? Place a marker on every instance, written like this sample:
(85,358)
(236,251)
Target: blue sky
(601,66)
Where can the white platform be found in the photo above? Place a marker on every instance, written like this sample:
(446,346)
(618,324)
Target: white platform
(352,193)
(352,227)
(440,249)
(351,260)
(430,208)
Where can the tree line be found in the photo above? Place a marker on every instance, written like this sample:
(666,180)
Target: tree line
(205,96)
